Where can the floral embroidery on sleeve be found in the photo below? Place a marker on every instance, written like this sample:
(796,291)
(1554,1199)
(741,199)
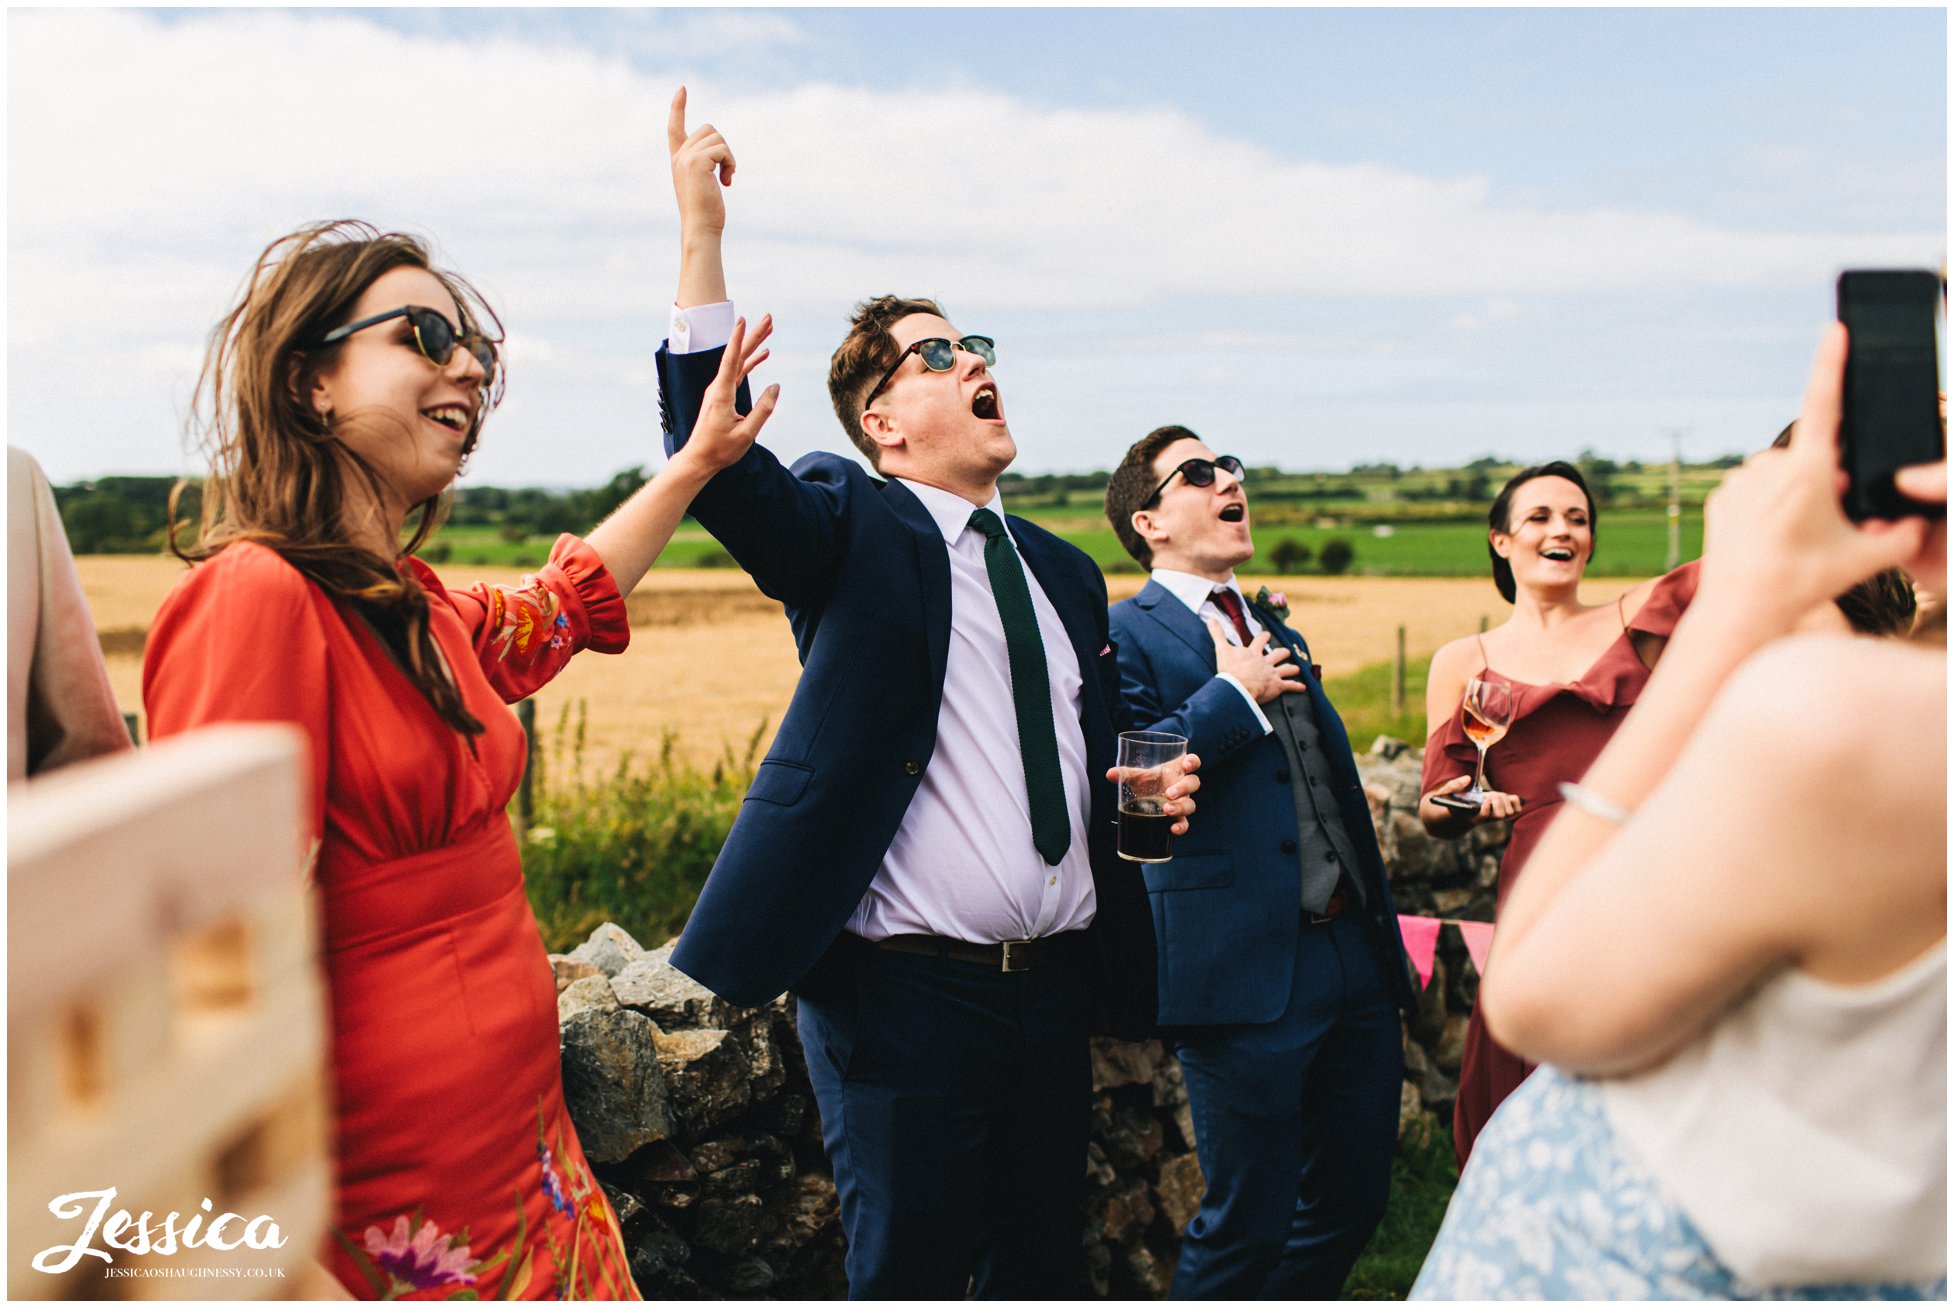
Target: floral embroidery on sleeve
(525,620)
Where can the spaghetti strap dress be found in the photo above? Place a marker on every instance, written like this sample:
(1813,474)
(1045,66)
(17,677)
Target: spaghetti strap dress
(1557,731)
(458,1172)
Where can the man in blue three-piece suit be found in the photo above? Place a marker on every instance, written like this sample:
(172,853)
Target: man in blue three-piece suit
(1281,967)
(925,855)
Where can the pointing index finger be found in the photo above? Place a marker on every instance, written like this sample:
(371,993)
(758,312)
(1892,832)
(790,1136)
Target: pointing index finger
(675,125)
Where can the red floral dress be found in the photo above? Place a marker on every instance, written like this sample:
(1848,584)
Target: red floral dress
(459,1172)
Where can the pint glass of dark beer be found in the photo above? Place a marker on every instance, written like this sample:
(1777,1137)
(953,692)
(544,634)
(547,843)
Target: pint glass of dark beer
(1149,762)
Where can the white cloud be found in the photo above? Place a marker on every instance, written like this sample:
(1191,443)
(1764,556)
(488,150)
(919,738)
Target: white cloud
(151,159)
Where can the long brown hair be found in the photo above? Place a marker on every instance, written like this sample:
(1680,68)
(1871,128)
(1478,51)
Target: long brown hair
(279,474)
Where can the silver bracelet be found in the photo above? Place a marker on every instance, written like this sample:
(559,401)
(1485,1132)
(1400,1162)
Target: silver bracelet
(1594,805)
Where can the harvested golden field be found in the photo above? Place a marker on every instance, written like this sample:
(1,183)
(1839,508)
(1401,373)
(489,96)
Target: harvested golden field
(711,657)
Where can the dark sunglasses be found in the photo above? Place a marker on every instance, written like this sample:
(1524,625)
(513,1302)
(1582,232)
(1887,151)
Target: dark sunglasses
(938,355)
(434,336)
(1199,472)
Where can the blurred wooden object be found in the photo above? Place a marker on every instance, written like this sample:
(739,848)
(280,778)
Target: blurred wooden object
(166,1020)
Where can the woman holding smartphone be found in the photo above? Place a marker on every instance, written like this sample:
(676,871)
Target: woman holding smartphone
(338,400)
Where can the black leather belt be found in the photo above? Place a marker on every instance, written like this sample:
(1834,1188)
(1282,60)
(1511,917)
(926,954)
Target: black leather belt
(1010,956)
(1332,910)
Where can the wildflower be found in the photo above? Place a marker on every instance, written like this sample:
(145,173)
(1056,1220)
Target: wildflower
(552,1187)
(420,1257)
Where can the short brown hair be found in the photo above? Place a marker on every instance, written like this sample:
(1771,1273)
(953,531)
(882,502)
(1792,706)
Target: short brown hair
(1131,485)
(864,354)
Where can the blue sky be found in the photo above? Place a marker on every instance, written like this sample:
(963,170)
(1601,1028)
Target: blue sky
(1318,237)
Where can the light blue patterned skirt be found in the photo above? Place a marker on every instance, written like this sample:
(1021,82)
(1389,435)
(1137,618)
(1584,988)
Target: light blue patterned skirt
(1550,1207)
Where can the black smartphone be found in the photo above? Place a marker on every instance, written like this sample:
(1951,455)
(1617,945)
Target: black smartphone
(1456,804)
(1892,388)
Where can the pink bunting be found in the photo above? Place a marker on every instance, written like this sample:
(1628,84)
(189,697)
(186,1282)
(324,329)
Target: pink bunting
(1421,943)
(1478,941)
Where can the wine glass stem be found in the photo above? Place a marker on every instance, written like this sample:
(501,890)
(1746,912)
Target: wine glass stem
(1479,776)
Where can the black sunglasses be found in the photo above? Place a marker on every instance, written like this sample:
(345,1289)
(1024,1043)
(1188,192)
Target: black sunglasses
(938,355)
(1199,472)
(435,337)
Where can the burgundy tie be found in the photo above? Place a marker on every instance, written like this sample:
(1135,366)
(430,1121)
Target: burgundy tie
(1224,599)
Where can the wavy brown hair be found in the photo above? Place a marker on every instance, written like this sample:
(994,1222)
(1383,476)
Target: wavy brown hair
(279,473)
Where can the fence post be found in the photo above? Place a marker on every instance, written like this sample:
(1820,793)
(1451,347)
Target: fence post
(526,715)
(133,723)
(1397,677)
(1482,624)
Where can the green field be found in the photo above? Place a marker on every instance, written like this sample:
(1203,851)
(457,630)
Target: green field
(1632,543)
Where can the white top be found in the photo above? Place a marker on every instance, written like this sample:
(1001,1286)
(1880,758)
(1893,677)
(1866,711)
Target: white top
(1805,1133)
(962,863)
(1198,594)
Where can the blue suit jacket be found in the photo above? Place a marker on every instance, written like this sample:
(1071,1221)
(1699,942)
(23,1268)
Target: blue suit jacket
(864,575)
(1225,907)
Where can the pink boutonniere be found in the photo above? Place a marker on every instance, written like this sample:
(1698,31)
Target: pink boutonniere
(1275,602)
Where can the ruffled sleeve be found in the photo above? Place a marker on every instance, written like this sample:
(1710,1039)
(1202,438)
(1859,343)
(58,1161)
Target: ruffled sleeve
(1447,754)
(1671,595)
(242,638)
(524,634)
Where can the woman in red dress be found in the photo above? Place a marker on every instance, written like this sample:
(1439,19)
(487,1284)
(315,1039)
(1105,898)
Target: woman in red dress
(338,401)
(1575,670)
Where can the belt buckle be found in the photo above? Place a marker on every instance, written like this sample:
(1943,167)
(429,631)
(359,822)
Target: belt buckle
(1011,963)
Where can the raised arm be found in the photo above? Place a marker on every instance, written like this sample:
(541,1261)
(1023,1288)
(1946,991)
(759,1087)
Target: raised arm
(781,529)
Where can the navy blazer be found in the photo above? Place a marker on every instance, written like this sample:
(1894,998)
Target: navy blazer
(864,575)
(1225,906)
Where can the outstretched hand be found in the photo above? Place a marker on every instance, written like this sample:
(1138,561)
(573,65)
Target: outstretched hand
(721,435)
(702,164)
(1261,667)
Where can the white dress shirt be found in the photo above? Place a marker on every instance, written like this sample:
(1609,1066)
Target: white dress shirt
(1198,594)
(962,863)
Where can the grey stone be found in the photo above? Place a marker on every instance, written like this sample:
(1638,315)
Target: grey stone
(1122,1062)
(811,1208)
(610,948)
(670,998)
(731,1225)
(1449,1052)
(568,969)
(1121,1213)
(749,1278)
(1178,1192)
(1132,1138)
(708,1077)
(592,992)
(613,1084)
(1138,1274)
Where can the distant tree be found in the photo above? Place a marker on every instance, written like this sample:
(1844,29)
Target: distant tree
(1288,555)
(605,499)
(1486,463)
(1336,557)
(98,522)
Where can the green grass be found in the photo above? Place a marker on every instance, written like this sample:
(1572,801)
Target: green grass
(1363,700)
(484,547)
(1632,543)
(1423,1176)
(631,845)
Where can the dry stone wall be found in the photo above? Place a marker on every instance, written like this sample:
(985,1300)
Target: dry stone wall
(698,1119)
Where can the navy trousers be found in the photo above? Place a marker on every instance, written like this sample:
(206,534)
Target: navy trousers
(1295,1125)
(955,1102)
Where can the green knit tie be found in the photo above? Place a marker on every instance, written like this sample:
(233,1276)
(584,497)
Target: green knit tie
(1051,828)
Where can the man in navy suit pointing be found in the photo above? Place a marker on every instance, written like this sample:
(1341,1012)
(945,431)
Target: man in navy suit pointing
(925,856)
(1281,967)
